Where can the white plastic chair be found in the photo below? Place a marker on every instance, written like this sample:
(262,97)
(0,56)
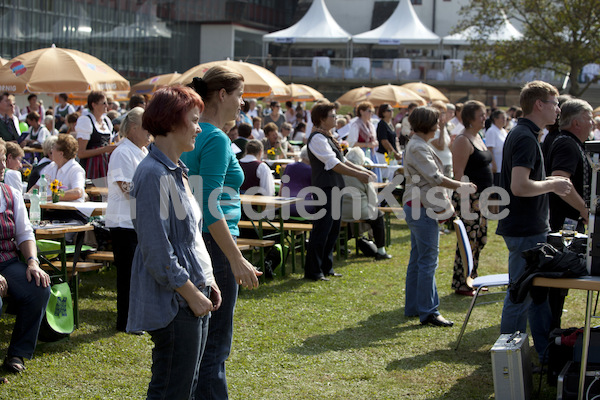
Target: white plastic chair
(479,283)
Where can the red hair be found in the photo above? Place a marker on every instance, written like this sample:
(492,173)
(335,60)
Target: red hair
(168,107)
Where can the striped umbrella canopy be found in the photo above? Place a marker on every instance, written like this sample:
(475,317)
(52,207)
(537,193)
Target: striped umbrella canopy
(56,70)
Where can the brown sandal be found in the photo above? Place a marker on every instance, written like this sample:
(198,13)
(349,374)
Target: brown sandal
(14,364)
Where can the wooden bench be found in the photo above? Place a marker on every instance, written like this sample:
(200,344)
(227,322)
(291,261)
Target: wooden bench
(81,266)
(244,247)
(292,228)
(387,217)
(255,242)
(101,256)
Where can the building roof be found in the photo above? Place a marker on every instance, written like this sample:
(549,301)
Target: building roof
(316,26)
(402,28)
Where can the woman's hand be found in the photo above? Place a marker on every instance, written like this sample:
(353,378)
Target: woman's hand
(197,301)
(373,144)
(200,304)
(469,185)
(215,297)
(245,273)
(398,156)
(35,272)
(3,286)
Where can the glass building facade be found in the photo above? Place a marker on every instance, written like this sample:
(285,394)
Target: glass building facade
(138,38)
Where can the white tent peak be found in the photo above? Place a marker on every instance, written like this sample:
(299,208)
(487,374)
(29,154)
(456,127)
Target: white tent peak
(506,31)
(316,26)
(402,27)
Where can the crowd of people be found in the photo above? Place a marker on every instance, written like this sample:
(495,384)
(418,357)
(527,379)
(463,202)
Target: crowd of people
(179,269)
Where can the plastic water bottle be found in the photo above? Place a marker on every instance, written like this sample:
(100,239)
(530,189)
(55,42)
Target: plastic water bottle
(34,211)
(43,189)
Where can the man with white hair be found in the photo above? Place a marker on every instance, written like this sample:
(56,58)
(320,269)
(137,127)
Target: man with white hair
(567,158)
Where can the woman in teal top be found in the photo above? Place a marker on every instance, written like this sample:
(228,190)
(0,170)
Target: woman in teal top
(220,175)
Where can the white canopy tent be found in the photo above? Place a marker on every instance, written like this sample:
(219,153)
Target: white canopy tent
(316,26)
(402,28)
(506,31)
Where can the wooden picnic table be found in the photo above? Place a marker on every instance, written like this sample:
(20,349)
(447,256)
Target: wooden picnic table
(89,208)
(262,202)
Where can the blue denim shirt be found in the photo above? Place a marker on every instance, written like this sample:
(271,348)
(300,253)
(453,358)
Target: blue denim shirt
(164,258)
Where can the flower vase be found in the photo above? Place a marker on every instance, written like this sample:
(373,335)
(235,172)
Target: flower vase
(55,197)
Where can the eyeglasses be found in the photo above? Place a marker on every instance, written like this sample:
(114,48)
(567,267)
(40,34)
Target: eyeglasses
(389,109)
(370,111)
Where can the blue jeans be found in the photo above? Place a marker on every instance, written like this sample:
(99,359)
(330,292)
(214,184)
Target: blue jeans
(421,290)
(514,316)
(176,356)
(29,301)
(213,382)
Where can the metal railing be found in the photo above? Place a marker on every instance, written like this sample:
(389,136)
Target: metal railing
(367,70)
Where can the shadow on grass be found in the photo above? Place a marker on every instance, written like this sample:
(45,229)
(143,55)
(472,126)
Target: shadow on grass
(378,327)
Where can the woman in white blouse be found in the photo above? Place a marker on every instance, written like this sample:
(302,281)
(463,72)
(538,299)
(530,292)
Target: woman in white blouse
(66,169)
(94,131)
(123,163)
(494,140)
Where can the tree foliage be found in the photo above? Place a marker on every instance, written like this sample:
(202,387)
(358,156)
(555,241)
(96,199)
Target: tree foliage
(558,35)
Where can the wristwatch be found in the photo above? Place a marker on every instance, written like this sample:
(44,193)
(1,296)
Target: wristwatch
(37,260)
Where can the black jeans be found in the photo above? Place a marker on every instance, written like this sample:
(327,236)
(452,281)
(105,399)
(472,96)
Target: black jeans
(124,243)
(325,232)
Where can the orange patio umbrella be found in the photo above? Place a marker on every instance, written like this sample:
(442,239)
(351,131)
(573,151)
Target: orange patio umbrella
(396,96)
(258,81)
(56,70)
(298,92)
(354,96)
(426,91)
(150,85)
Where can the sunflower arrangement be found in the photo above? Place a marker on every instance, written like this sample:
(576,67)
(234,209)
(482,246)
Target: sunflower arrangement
(344,146)
(278,170)
(271,154)
(57,191)
(388,159)
(26,172)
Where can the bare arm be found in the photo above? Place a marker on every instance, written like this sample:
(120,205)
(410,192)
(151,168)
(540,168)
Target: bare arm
(34,271)
(72,194)
(350,169)
(244,272)
(461,150)
(85,153)
(573,198)
(494,165)
(522,186)
(390,150)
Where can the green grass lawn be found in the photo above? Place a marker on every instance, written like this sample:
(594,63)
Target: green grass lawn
(294,339)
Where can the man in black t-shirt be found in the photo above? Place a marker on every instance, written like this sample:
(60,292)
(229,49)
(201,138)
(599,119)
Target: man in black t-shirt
(526,224)
(566,157)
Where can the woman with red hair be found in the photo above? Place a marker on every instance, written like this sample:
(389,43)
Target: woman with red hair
(173,290)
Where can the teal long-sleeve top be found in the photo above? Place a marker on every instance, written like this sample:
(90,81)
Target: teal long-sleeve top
(213,168)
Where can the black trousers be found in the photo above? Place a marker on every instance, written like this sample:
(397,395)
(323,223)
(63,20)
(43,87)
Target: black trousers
(378,227)
(124,243)
(325,232)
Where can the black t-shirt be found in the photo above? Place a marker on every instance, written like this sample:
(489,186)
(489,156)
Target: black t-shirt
(385,132)
(527,216)
(565,155)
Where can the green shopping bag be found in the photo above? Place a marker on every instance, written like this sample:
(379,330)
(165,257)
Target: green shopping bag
(58,321)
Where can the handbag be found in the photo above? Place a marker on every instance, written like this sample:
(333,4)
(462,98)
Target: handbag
(58,322)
